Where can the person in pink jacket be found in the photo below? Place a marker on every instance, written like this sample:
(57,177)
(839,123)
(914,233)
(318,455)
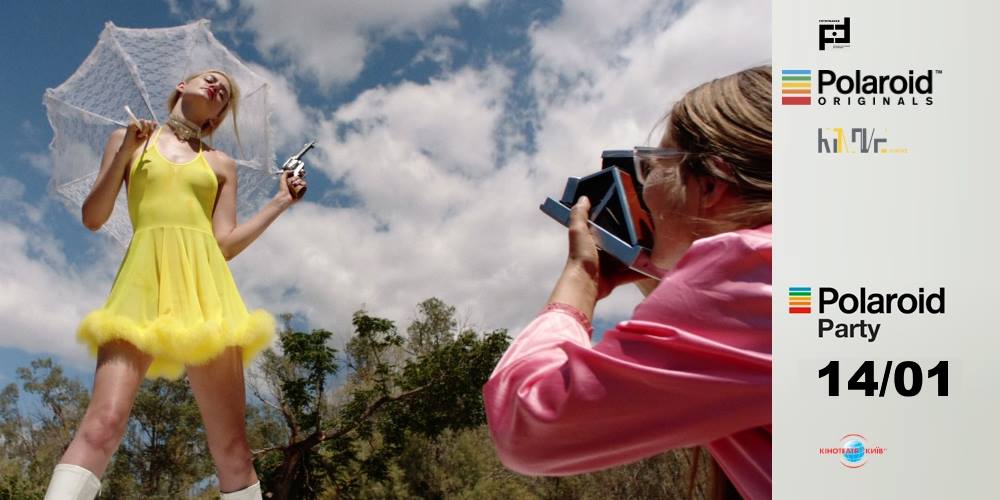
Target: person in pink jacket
(692,367)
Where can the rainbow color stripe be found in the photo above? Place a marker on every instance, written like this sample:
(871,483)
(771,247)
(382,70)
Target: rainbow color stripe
(796,86)
(799,299)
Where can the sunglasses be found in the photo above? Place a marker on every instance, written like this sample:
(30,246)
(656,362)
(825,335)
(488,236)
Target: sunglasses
(646,159)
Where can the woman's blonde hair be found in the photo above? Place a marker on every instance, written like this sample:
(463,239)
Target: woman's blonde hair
(232,105)
(728,121)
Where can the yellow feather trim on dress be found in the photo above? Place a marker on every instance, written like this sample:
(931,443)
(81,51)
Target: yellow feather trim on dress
(172,344)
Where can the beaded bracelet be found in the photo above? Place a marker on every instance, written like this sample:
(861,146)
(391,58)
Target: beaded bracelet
(572,311)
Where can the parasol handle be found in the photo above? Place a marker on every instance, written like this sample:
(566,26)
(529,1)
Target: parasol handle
(131,115)
(138,124)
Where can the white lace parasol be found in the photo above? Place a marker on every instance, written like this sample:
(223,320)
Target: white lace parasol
(139,68)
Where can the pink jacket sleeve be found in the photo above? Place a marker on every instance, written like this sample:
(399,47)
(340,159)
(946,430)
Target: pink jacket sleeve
(692,366)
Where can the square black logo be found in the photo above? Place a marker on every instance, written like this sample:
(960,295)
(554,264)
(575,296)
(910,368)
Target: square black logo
(834,32)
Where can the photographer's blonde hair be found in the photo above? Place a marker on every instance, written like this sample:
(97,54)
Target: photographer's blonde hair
(232,105)
(728,122)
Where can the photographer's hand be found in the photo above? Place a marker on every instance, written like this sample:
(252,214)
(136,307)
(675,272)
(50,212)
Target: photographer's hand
(579,285)
(589,275)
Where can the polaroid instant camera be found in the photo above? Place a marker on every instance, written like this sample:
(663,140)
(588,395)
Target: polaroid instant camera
(618,215)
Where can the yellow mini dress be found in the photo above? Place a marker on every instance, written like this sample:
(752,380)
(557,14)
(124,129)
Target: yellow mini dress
(174,297)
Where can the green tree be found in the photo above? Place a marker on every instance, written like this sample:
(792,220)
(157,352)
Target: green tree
(354,433)
(462,464)
(14,482)
(11,423)
(435,324)
(296,379)
(63,403)
(33,443)
(296,382)
(65,399)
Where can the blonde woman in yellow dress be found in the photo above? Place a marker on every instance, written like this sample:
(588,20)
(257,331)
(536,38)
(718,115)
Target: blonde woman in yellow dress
(174,306)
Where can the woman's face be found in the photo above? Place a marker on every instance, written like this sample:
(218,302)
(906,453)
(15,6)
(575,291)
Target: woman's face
(672,202)
(212,90)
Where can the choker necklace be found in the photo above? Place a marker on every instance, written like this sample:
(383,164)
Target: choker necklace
(183,129)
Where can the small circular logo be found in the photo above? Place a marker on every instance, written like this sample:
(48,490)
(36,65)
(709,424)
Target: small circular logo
(853,451)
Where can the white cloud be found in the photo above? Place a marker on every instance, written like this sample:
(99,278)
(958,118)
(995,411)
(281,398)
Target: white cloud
(12,202)
(589,34)
(174,7)
(43,295)
(433,213)
(289,118)
(43,298)
(637,71)
(329,39)
(11,189)
(41,162)
(449,121)
(437,217)
(190,10)
(438,50)
(28,129)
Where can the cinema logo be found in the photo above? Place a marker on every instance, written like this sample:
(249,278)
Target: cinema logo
(829,300)
(853,451)
(834,33)
(854,140)
(827,87)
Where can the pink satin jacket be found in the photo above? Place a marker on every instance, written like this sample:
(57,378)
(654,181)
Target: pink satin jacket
(691,367)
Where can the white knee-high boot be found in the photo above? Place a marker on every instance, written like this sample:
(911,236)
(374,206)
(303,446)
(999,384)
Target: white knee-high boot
(251,492)
(72,482)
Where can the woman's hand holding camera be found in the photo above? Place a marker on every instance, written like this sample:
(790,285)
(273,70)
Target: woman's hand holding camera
(605,271)
(589,275)
(583,260)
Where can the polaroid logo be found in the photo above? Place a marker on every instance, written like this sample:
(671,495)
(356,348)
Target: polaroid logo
(835,33)
(855,140)
(858,83)
(857,88)
(865,302)
(796,86)
(799,299)
(910,89)
(853,451)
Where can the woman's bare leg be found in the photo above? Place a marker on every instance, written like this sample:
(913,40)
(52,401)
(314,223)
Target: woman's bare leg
(219,390)
(120,369)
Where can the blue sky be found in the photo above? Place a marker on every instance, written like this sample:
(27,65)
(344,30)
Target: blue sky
(442,124)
